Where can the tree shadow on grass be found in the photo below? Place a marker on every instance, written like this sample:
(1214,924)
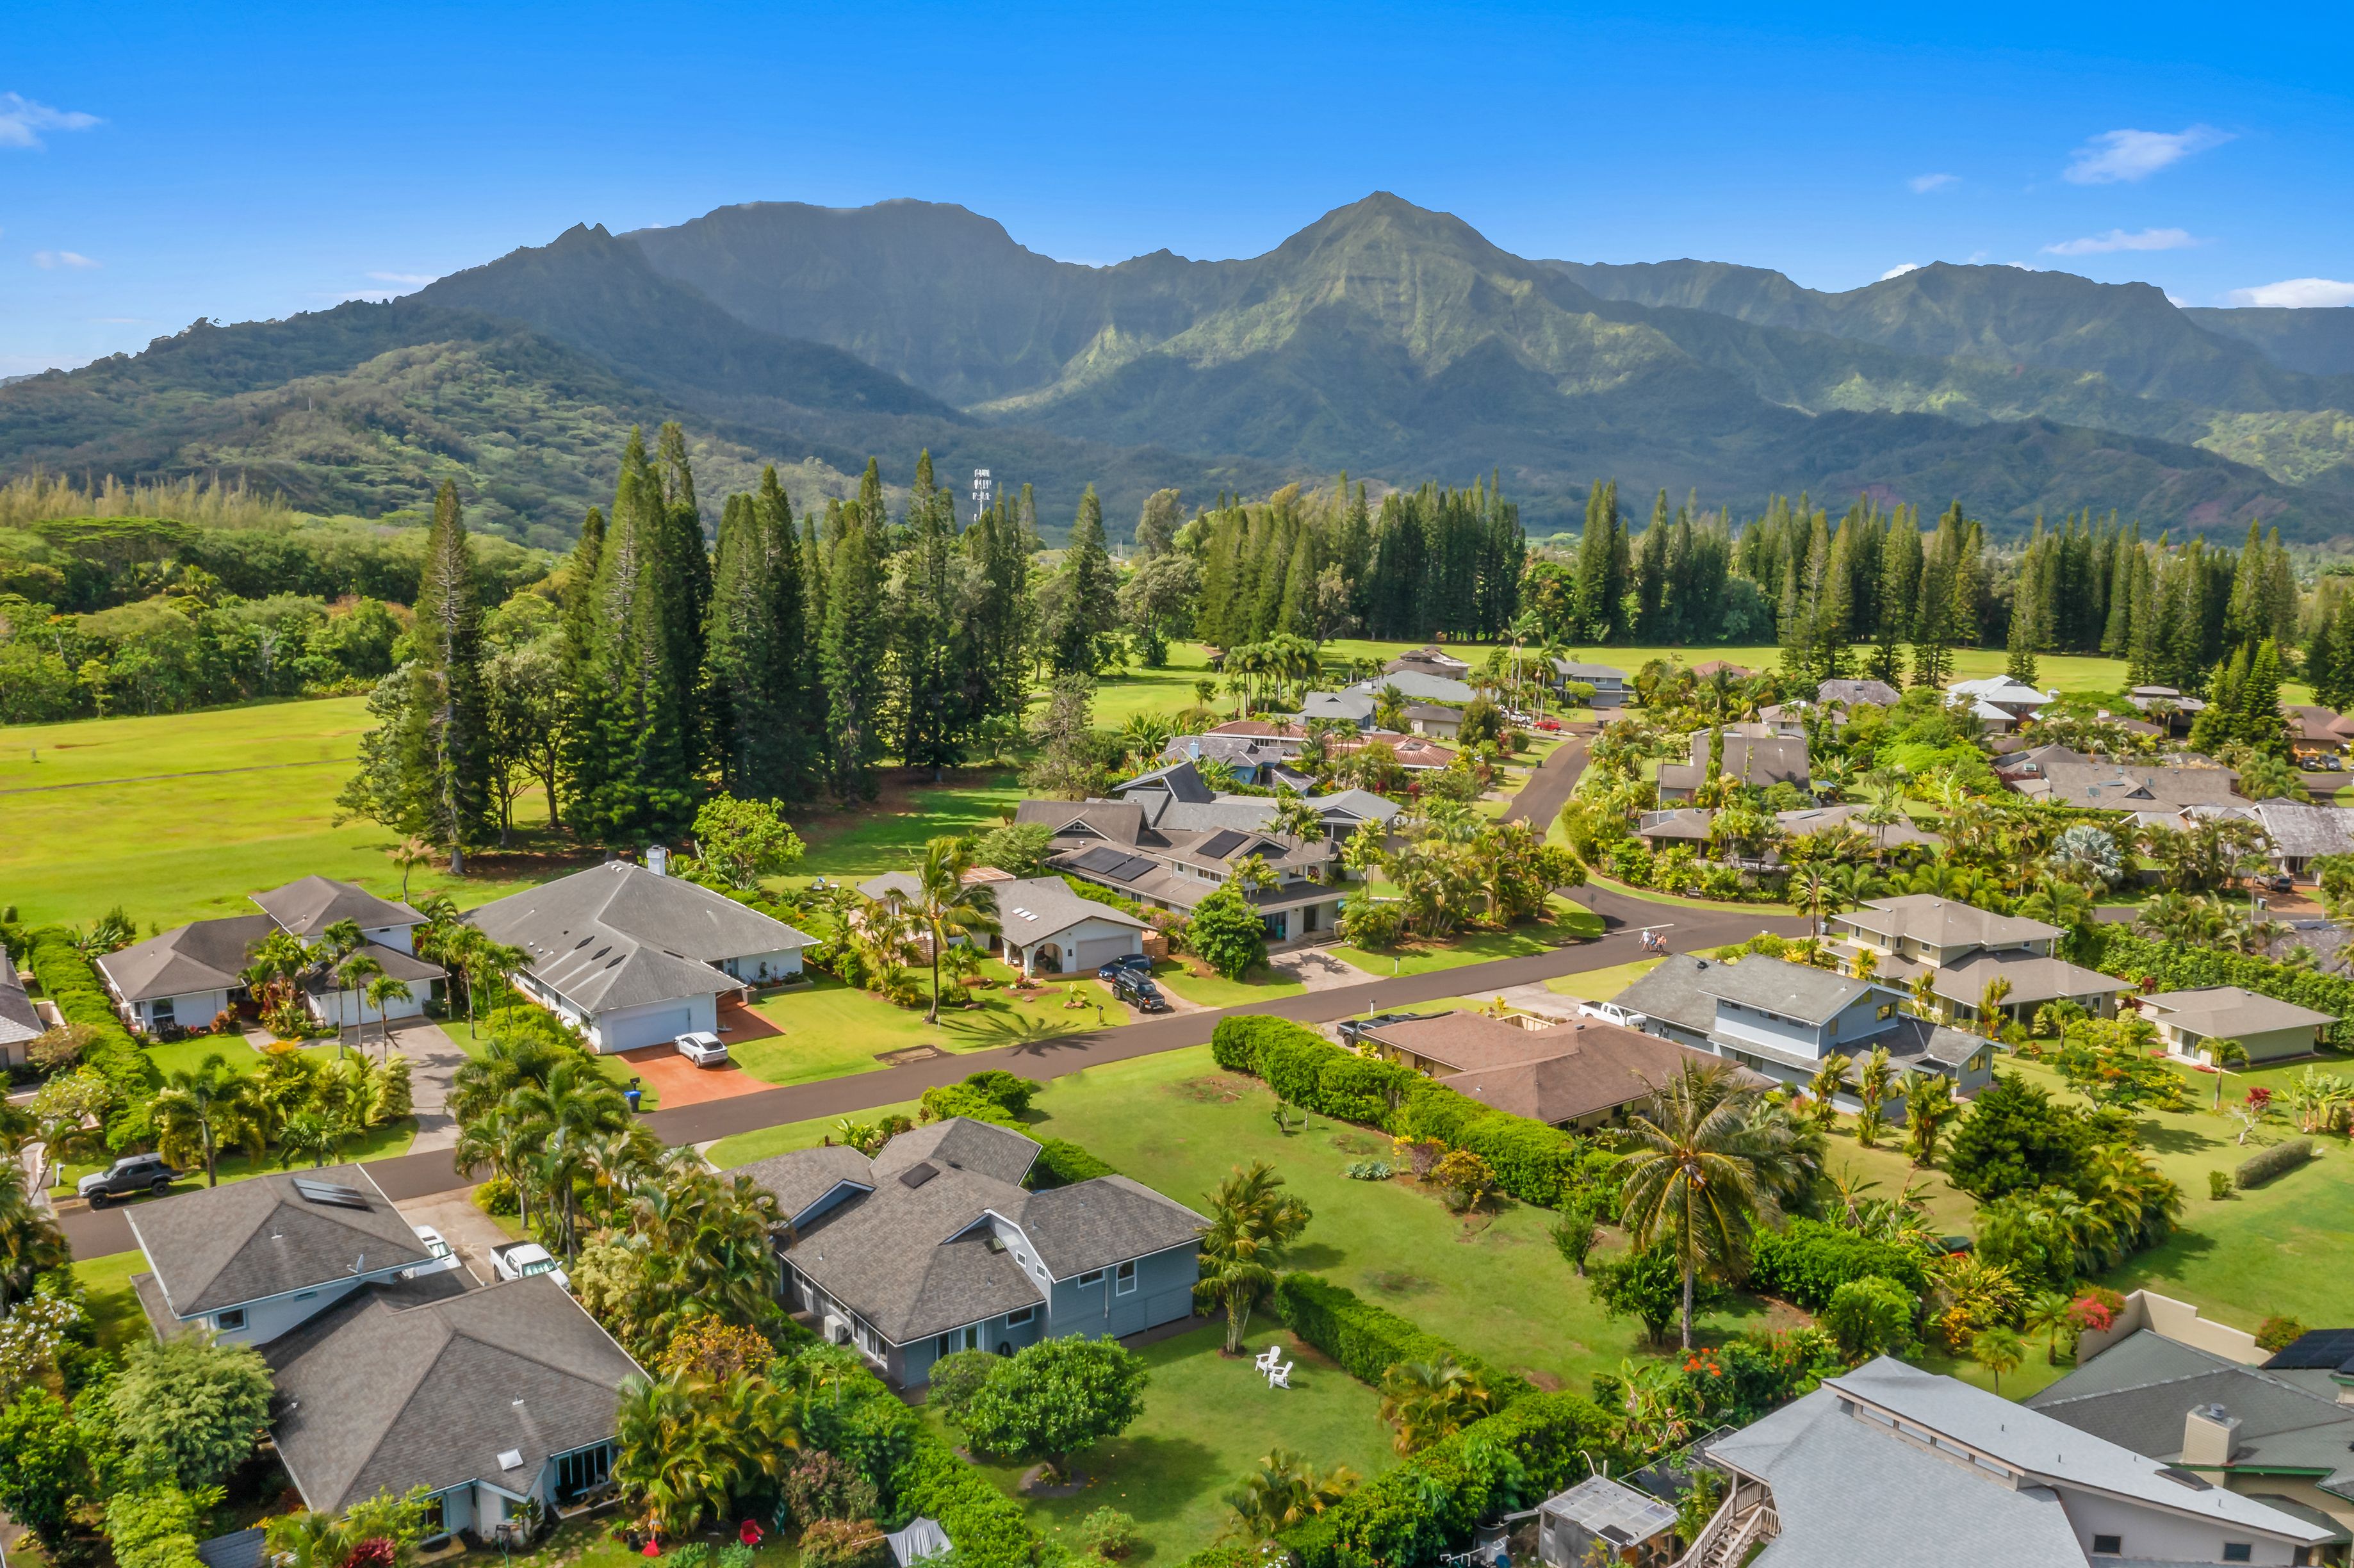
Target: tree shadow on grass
(1313,1256)
(1162,1476)
(2178,1139)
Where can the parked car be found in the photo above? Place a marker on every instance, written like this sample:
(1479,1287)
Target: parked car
(2329,764)
(1611,1012)
(1126,963)
(521,1260)
(1549,725)
(1139,992)
(131,1173)
(1351,1027)
(445,1257)
(703,1048)
(2279,881)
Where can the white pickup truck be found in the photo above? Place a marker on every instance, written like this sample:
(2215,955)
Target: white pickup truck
(521,1260)
(1611,1012)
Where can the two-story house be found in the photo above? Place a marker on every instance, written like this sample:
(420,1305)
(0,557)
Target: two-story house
(183,977)
(1134,848)
(1759,760)
(1968,949)
(1782,1019)
(1179,797)
(1890,1464)
(394,1371)
(936,1245)
(1609,682)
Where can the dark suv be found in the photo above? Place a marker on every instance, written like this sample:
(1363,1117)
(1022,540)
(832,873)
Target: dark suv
(131,1173)
(1139,992)
(1126,963)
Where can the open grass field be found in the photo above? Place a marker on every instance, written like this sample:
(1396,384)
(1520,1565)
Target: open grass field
(828,1029)
(1207,1421)
(1569,922)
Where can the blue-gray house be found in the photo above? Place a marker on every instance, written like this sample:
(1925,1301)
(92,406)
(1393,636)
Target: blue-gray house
(936,1245)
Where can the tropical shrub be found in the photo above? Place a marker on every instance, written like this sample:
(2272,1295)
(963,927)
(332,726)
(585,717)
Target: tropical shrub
(1062,1163)
(195,1406)
(1049,1400)
(1110,1534)
(1368,1339)
(2280,1158)
(824,1486)
(155,1527)
(71,980)
(844,1543)
(1871,1316)
(1806,1261)
(2277,1334)
(1648,1286)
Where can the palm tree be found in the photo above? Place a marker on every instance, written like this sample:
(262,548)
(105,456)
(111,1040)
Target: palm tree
(1427,1401)
(190,1107)
(947,906)
(352,974)
(2047,1313)
(1990,999)
(1871,1083)
(2223,1056)
(30,1241)
(1252,1220)
(1999,1349)
(409,855)
(1284,1490)
(1925,992)
(1829,1079)
(558,1118)
(1701,1174)
(1852,885)
(275,968)
(1928,1106)
(382,992)
(506,1061)
(672,1458)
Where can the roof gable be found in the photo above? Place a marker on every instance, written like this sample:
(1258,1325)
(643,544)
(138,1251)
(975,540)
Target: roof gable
(308,906)
(225,1246)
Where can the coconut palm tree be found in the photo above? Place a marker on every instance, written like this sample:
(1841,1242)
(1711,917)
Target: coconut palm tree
(1252,1220)
(2000,1349)
(1701,1174)
(1427,1401)
(1284,1490)
(353,973)
(380,994)
(191,1107)
(947,906)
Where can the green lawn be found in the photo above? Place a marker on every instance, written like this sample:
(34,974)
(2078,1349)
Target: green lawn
(889,835)
(1601,985)
(1262,984)
(1570,922)
(830,1029)
(196,842)
(114,1309)
(1207,1421)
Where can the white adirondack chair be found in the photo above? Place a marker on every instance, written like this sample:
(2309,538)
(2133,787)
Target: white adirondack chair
(1280,1376)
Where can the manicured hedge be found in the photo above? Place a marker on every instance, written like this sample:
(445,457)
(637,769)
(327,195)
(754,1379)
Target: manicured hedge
(1805,1261)
(71,982)
(1430,1504)
(2116,951)
(998,1097)
(1061,1162)
(2280,1158)
(1368,1339)
(1533,1163)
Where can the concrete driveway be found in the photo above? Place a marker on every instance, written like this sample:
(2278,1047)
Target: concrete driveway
(469,1231)
(1318,969)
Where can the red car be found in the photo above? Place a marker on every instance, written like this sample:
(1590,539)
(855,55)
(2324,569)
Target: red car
(1549,723)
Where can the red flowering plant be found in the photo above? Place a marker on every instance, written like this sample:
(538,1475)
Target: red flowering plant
(2088,1313)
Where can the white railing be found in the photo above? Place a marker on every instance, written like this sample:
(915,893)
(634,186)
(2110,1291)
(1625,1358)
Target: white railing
(1720,1521)
(1731,1532)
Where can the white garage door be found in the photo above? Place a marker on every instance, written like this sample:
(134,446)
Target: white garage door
(1102,950)
(648,1029)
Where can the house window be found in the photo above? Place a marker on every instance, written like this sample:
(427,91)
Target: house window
(2239,1551)
(1887,1010)
(943,1349)
(435,1520)
(1125,1284)
(583,1471)
(1021,1318)
(160,1014)
(2108,1546)
(231,1320)
(1092,1277)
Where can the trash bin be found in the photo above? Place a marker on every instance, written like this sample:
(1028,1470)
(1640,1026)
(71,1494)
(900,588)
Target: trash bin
(631,1096)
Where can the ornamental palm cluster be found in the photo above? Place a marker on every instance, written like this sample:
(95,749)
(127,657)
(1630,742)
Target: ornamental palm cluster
(292,1103)
(1285,1490)
(1252,1220)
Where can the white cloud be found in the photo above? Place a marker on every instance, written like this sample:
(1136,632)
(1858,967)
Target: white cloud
(2297,293)
(2178,302)
(1900,270)
(22,121)
(2118,239)
(51,260)
(403,277)
(1923,184)
(2114,155)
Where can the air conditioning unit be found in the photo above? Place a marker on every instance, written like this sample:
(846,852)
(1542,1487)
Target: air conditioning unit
(837,1332)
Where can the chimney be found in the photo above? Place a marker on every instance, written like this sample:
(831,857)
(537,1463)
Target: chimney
(2209,1436)
(658,860)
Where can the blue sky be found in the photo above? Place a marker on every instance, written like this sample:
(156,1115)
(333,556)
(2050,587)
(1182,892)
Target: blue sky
(162,163)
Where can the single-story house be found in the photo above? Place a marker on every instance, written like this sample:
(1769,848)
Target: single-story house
(1609,682)
(1256,760)
(2024,762)
(1756,760)
(1999,700)
(1708,667)
(489,1399)
(1355,705)
(1897,834)
(2168,706)
(20,1022)
(250,1260)
(1680,825)
(2301,834)
(632,956)
(2315,731)
(1176,797)
(2280,1433)
(1418,685)
(1434,719)
(186,977)
(1857,694)
(1575,1076)
(2269,1030)
(1784,719)
(2129,787)
(1430,661)
(935,1246)
(1046,928)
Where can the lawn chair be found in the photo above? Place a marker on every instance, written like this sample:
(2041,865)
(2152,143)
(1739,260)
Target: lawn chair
(1280,1376)
(1268,1358)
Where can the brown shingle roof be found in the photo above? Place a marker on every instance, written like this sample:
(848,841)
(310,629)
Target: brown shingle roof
(1600,1065)
(1467,1042)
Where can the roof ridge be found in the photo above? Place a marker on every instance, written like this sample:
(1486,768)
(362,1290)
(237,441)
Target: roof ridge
(424,1370)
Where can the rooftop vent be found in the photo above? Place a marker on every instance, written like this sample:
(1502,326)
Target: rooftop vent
(510,1458)
(918,1175)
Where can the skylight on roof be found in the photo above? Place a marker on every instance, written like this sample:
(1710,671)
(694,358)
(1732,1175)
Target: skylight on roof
(335,1194)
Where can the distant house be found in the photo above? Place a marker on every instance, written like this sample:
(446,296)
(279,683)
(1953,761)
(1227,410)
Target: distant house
(1431,661)
(2314,732)
(1890,1464)
(1609,682)
(20,1022)
(1178,797)
(1857,694)
(632,956)
(1967,948)
(1044,927)
(1898,835)
(1353,705)
(2269,1030)
(2166,705)
(1782,1019)
(2280,1433)
(1708,667)
(1684,825)
(935,1246)
(1576,1074)
(1258,760)
(1759,761)
(190,974)
(1134,848)
(1418,685)
(2300,834)
(2000,700)
(2129,787)
(2027,762)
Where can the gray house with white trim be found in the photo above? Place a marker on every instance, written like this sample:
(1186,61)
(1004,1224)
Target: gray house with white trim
(935,1246)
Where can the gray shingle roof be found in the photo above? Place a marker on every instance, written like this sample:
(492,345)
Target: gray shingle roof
(2218,1011)
(396,964)
(1672,993)
(999,1153)
(1042,907)
(2032,980)
(1418,684)
(2125,788)
(1593,675)
(2303,831)
(207,955)
(1115,822)
(1688,823)
(1795,990)
(1353,704)
(224,1246)
(620,936)
(1181,781)
(309,906)
(1944,923)
(1879,694)
(1096,1223)
(378,1397)
(20,1020)
(1823,818)
(1361,804)
(800,1177)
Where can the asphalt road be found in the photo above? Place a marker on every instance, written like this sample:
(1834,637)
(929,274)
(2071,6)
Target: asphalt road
(1684,928)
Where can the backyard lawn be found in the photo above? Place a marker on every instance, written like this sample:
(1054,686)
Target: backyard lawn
(1570,922)
(113,1306)
(889,835)
(830,1029)
(1207,1421)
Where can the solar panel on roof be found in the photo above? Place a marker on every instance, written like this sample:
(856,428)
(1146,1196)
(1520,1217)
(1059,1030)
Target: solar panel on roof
(1220,844)
(1131,868)
(916,1175)
(333,1193)
(1102,858)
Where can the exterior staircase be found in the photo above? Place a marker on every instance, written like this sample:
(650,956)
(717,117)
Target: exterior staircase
(1737,1526)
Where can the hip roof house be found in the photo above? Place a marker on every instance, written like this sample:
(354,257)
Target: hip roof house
(1123,845)
(632,956)
(2190,1023)
(1576,1075)
(1968,949)
(935,1246)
